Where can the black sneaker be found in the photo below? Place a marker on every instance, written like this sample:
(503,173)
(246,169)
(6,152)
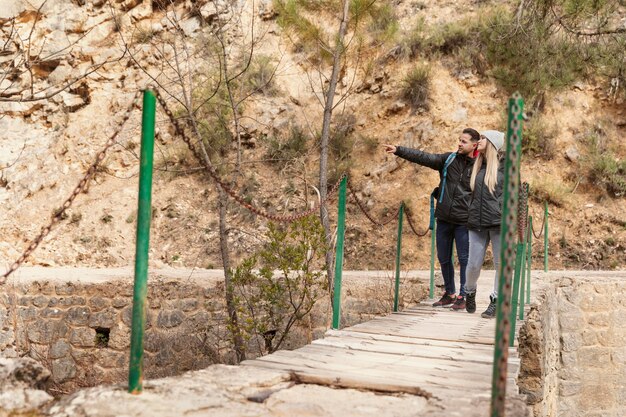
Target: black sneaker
(445,300)
(470,302)
(459,304)
(491,309)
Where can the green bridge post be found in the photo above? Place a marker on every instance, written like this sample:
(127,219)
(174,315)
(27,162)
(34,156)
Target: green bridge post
(144,213)
(545,238)
(529,257)
(433,232)
(507,254)
(520,261)
(341,229)
(398,255)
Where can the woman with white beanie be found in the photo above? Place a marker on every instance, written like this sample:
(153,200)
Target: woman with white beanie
(485,212)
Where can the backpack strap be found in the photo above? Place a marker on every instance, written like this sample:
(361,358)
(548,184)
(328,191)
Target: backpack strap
(445,174)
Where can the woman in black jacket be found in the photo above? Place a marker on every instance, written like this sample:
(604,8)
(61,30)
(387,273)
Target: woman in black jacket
(484,215)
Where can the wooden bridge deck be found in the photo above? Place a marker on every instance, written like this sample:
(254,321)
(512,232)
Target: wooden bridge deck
(432,352)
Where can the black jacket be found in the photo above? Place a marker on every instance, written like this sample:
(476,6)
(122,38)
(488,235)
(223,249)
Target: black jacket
(457,193)
(485,210)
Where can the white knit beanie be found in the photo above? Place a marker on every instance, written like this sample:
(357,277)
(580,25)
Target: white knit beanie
(495,137)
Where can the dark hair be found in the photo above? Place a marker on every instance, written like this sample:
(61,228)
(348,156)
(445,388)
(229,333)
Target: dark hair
(473,134)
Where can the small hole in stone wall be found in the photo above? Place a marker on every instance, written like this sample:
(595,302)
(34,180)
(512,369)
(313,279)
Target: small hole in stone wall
(102,337)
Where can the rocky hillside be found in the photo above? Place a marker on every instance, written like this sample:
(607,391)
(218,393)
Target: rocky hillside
(70,68)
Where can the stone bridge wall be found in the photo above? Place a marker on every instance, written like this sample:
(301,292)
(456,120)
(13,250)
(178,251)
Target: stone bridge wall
(573,348)
(77,322)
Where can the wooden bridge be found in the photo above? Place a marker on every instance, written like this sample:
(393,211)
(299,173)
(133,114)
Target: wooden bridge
(436,353)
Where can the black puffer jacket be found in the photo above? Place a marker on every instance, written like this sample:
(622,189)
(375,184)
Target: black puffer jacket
(457,194)
(485,210)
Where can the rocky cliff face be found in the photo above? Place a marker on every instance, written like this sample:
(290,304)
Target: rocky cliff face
(70,68)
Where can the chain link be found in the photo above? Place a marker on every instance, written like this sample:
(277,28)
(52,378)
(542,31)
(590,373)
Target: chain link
(522,217)
(412,226)
(543,222)
(82,184)
(509,254)
(360,205)
(180,131)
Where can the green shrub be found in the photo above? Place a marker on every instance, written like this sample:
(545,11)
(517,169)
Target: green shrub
(260,76)
(276,288)
(539,138)
(554,192)
(416,86)
(282,150)
(601,165)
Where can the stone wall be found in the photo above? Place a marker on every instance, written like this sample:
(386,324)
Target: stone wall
(573,348)
(77,322)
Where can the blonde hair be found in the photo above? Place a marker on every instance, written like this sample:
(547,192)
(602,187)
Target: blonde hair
(492,157)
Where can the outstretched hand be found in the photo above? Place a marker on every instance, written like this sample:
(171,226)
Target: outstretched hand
(390,148)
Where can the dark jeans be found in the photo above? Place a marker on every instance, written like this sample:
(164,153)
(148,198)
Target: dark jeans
(447,234)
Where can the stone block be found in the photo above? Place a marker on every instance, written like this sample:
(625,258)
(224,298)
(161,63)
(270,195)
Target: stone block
(59,349)
(593,302)
(40,301)
(569,359)
(618,356)
(571,342)
(98,303)
(45,332)
(153,341)
(119,302)
(27,314)
(589,337)
(83,337)
(52,313)
(127,317)
(119,338)
(74,300)
(187,304)
(63,369)
(598,319)
(111,359)
(571,322)
(569,388)
(66,288)
(591,356)
(24,300)
(78,316)
(170,318)
(596,397)
(105,319)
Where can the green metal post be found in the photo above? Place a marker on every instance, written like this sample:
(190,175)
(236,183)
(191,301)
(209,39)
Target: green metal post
(545,238)
(519,260)
(398,255)
(529,257)
(341,229)
(144,212)
(508,233)
(433,232)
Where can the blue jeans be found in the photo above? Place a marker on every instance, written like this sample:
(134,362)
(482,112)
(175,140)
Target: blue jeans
(447,234)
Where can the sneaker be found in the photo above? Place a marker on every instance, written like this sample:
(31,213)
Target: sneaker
(445,300)
(470,302)
(491,309)
(459,304)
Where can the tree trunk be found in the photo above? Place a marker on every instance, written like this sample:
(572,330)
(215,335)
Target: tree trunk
(328,111)
(230,303)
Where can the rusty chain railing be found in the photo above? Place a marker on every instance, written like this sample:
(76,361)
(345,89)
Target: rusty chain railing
(82,184)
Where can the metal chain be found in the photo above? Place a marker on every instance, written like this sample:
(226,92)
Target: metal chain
(82,184)
(543,222)
(180,131)
(360,205)
(508,262)
(410,221)
(522,217)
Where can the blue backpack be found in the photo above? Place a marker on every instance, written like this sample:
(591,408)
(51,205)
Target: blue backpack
(436,191)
